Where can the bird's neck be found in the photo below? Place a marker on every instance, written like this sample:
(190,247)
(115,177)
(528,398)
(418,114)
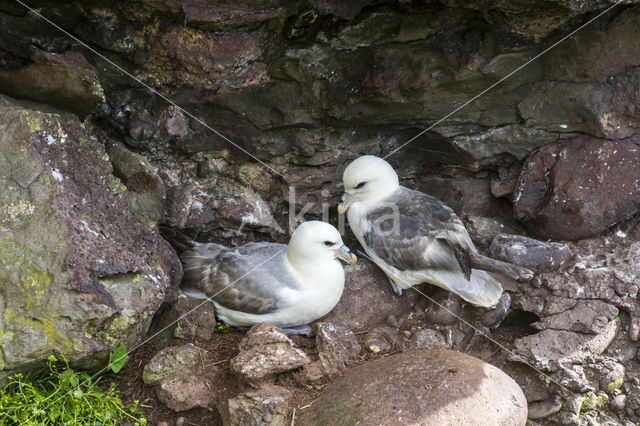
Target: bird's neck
(381,194)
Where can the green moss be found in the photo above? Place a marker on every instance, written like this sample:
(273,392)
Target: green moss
(615,385)
(34,285)
(115,185)
(588,402)
(44,179)
(33,121)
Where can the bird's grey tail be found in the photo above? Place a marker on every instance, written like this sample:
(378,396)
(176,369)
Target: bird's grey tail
(198,263)
(517,273)
(481,289)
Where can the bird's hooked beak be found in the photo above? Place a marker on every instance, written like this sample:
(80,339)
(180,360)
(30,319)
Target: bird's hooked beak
(343,253)
(347,200)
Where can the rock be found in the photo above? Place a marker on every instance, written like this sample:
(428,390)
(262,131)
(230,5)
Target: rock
(530,253)
(335,345)
(66,81)
(381,339)
(588,316)
(515,140)
(343,10)
(543,409)
(498,313)
(187,318)
(576,379)
(427,338)
(267,405)
(219,16)
(180,378)
(611,375)
(444,307)
(386,26)
(579,188)
(534,385)
(549,348)
(618,403)
(265,352)
(100,274)
(482,230)
(368,300)
(146,193)
(421,387)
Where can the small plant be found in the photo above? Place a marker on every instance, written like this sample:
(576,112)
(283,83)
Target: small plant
(63,398)
(117,358)
(221,328)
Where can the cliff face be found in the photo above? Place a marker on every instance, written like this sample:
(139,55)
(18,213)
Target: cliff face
(233,121)
(305,87)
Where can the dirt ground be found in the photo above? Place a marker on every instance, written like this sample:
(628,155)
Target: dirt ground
(222,347)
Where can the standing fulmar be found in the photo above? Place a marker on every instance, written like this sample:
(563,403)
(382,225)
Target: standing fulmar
(285,285)
(416,238)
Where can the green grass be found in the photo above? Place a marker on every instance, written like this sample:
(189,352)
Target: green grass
(221,328)
(63,398)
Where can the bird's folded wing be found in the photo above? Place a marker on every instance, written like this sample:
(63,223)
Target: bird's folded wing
(248,279)
(414,231)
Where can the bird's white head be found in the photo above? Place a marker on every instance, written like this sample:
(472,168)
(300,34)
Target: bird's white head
(367,180)
(315,241)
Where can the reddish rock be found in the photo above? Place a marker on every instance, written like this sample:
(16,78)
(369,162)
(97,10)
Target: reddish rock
(368,300)
(335,345)
(266,405)
(579,188)
(179,377)
(266,351)
(427,339)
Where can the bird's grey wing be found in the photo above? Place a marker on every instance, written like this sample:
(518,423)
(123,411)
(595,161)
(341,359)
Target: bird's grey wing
(411,230)
(246,279)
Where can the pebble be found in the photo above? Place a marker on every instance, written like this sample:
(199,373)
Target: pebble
(618,403)
(542,409)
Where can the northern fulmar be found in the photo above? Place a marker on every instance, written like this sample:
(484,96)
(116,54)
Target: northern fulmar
(285,285)
(416,238)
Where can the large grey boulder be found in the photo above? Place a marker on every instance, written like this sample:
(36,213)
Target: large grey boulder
(421,387)
(80,273)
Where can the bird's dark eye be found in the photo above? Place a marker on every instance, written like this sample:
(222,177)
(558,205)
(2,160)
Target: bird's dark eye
(360,185)
(328,243)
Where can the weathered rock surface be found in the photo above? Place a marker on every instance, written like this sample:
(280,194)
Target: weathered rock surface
(336,345)
(381,339)
(187,318)
(543,409)
(180,378)
(79,272)
(66,81)
(307,87)
(421,387)
(550,348)
(267,405)
(427,338)
(265,352)
(367,299)
(579,188)
(530,253)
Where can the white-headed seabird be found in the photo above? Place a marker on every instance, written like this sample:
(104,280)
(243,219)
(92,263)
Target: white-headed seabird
(285,285)
(416,238)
